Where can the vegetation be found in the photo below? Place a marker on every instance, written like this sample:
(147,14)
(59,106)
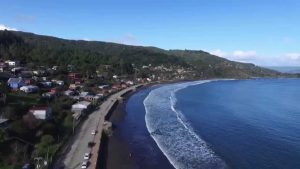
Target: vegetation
(88,56)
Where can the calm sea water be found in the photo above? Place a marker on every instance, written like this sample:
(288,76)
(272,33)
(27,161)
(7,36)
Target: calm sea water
(239,124)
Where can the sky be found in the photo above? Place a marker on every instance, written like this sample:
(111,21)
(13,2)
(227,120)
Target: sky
(264,32)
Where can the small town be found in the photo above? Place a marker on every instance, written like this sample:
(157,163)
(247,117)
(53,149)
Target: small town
(41,107)
(149,84)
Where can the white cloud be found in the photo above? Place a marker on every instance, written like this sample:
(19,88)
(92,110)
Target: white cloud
(237,55)
(3,27)
(244,55)
(219,52)
(251,56)
(293,56)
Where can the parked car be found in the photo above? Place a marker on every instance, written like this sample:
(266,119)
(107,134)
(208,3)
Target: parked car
(93,132)
(84,164)
(86,156)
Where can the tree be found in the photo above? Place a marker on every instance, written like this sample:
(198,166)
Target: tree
(4,88)
(46,142)
(11,113)
(3,135)
(30,121)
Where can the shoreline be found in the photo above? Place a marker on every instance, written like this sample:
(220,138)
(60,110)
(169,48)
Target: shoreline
(117,153)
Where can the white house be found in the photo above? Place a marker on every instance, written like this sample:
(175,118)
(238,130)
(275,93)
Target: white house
(79,108)
(29,89)
(12,63)
(60,82)
(115,76)
(42,113)
(82,105)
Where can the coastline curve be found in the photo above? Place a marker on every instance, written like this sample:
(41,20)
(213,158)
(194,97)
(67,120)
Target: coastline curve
(173,134)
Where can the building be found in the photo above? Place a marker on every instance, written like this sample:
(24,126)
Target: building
(3,67)
(93,98)
(15,83)
(42,113)
(12,63)
(29,89)
(74,76)
(82,105)
(80,108)
(69,93)
(48,95)
(104,87)
(3,123)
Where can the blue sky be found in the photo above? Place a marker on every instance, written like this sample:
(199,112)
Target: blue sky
(265,32)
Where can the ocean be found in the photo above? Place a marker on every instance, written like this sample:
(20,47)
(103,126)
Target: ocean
(238,124)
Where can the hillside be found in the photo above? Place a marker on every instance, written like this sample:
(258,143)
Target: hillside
(49,51)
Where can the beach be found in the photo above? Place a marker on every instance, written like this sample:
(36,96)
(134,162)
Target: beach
(123,149)
(117,152)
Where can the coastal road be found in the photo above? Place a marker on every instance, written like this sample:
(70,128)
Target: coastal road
(79,145)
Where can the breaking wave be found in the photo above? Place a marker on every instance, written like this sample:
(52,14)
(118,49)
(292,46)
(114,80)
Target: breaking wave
(173,134)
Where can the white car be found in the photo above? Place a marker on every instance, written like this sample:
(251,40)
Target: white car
(84,164)
(86,156)
(93,132)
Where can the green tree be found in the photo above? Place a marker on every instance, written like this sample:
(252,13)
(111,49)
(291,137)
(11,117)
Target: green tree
(11,113)
(3,135)
(44,145)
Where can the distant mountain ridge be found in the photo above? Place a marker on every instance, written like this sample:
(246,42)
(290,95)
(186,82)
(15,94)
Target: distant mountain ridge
(286,69)
(49,51)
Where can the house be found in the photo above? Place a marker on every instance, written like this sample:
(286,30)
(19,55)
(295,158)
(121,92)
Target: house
(26,74)
(55,68)
(124,86)
(42,113)
(60,82)
(83,94)
(130,83)
(74,76)
(39,72)
(103,87)
(48,95)
(29,81)
(29,89)
(12,63)
(3,66)
(17,70)
(93,98)
(15,83)
(3,123)
(45,84)
(72,86)
(55,91)
(115,76)
(69,93)
(116,87)
(81,107)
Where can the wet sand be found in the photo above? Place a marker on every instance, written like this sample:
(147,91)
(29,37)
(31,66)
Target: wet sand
(115,152)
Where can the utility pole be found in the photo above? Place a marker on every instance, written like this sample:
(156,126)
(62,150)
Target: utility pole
(73,124)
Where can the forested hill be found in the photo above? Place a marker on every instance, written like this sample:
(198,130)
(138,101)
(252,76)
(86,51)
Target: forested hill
(49,51)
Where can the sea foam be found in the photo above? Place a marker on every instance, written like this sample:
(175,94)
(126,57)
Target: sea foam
(172,132)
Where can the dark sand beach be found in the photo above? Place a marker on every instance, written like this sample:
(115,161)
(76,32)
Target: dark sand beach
(115,150)
(131,146)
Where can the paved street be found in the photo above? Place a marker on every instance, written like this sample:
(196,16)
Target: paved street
(79,145)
